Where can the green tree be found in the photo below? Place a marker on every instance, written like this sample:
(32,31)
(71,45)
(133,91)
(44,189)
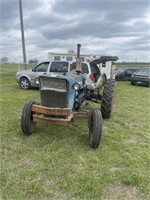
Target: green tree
(4,59)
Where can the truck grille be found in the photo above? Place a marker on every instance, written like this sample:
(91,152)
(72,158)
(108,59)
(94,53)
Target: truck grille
(54,92)
(140,77)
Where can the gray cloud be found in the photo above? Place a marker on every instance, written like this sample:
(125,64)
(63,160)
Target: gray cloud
(118,27)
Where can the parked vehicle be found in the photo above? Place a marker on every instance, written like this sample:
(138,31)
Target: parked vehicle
(29,78)
(64,94)
(125,74)
(26,78)
(142,77)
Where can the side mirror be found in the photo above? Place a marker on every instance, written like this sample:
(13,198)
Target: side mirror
(34,70)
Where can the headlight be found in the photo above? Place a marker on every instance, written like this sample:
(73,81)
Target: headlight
(76,86)
(37,81)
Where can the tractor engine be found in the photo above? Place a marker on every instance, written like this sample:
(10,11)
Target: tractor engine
(61,91)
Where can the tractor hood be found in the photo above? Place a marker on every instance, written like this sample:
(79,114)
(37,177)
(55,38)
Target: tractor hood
(104,59)
(69,77)
(58,90)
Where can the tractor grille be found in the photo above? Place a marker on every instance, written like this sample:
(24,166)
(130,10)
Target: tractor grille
(54,92)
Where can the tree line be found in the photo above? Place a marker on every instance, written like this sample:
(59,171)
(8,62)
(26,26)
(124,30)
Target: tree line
(6,60)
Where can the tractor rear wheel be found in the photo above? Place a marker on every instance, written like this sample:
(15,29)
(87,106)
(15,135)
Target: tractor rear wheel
(108,98)
(95,128)
(27,123)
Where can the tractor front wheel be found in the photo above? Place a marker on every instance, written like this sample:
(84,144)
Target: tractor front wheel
(95,128)
(108,98)
(27,123)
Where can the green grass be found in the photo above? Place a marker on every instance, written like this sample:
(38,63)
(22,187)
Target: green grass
(131,65)
(57,163)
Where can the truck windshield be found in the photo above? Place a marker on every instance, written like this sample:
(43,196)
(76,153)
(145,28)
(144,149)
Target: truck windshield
(145,70)
(84,67)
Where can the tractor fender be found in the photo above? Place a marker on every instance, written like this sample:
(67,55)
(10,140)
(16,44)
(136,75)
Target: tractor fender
(101,81)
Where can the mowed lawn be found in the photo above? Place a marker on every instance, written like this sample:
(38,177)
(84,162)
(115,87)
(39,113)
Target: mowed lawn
(56,163)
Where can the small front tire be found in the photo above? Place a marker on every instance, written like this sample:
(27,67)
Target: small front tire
(95,128)
(27,123)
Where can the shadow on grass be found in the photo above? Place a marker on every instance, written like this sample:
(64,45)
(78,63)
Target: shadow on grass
(72,136)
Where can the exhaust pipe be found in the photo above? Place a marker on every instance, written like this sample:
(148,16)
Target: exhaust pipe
(78,50)
(78,60)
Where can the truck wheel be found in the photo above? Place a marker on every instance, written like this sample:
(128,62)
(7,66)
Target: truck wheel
(27,124)
(95,128)
(108,98)
(120,78)
(24,83)
(132,83)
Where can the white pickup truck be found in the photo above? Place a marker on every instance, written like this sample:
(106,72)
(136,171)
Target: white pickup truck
(27,78)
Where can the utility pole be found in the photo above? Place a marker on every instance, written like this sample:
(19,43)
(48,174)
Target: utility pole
(22,35)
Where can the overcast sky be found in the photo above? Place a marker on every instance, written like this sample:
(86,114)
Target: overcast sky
(104,27)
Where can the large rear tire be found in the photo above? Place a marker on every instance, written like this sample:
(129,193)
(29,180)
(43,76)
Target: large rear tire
(95,128)
(27,123)
(108,98)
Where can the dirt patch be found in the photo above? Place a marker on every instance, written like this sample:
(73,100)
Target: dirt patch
(131,140)
(120,192)
(117,169)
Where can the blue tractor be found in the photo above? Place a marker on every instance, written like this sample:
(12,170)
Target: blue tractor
(62,96)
